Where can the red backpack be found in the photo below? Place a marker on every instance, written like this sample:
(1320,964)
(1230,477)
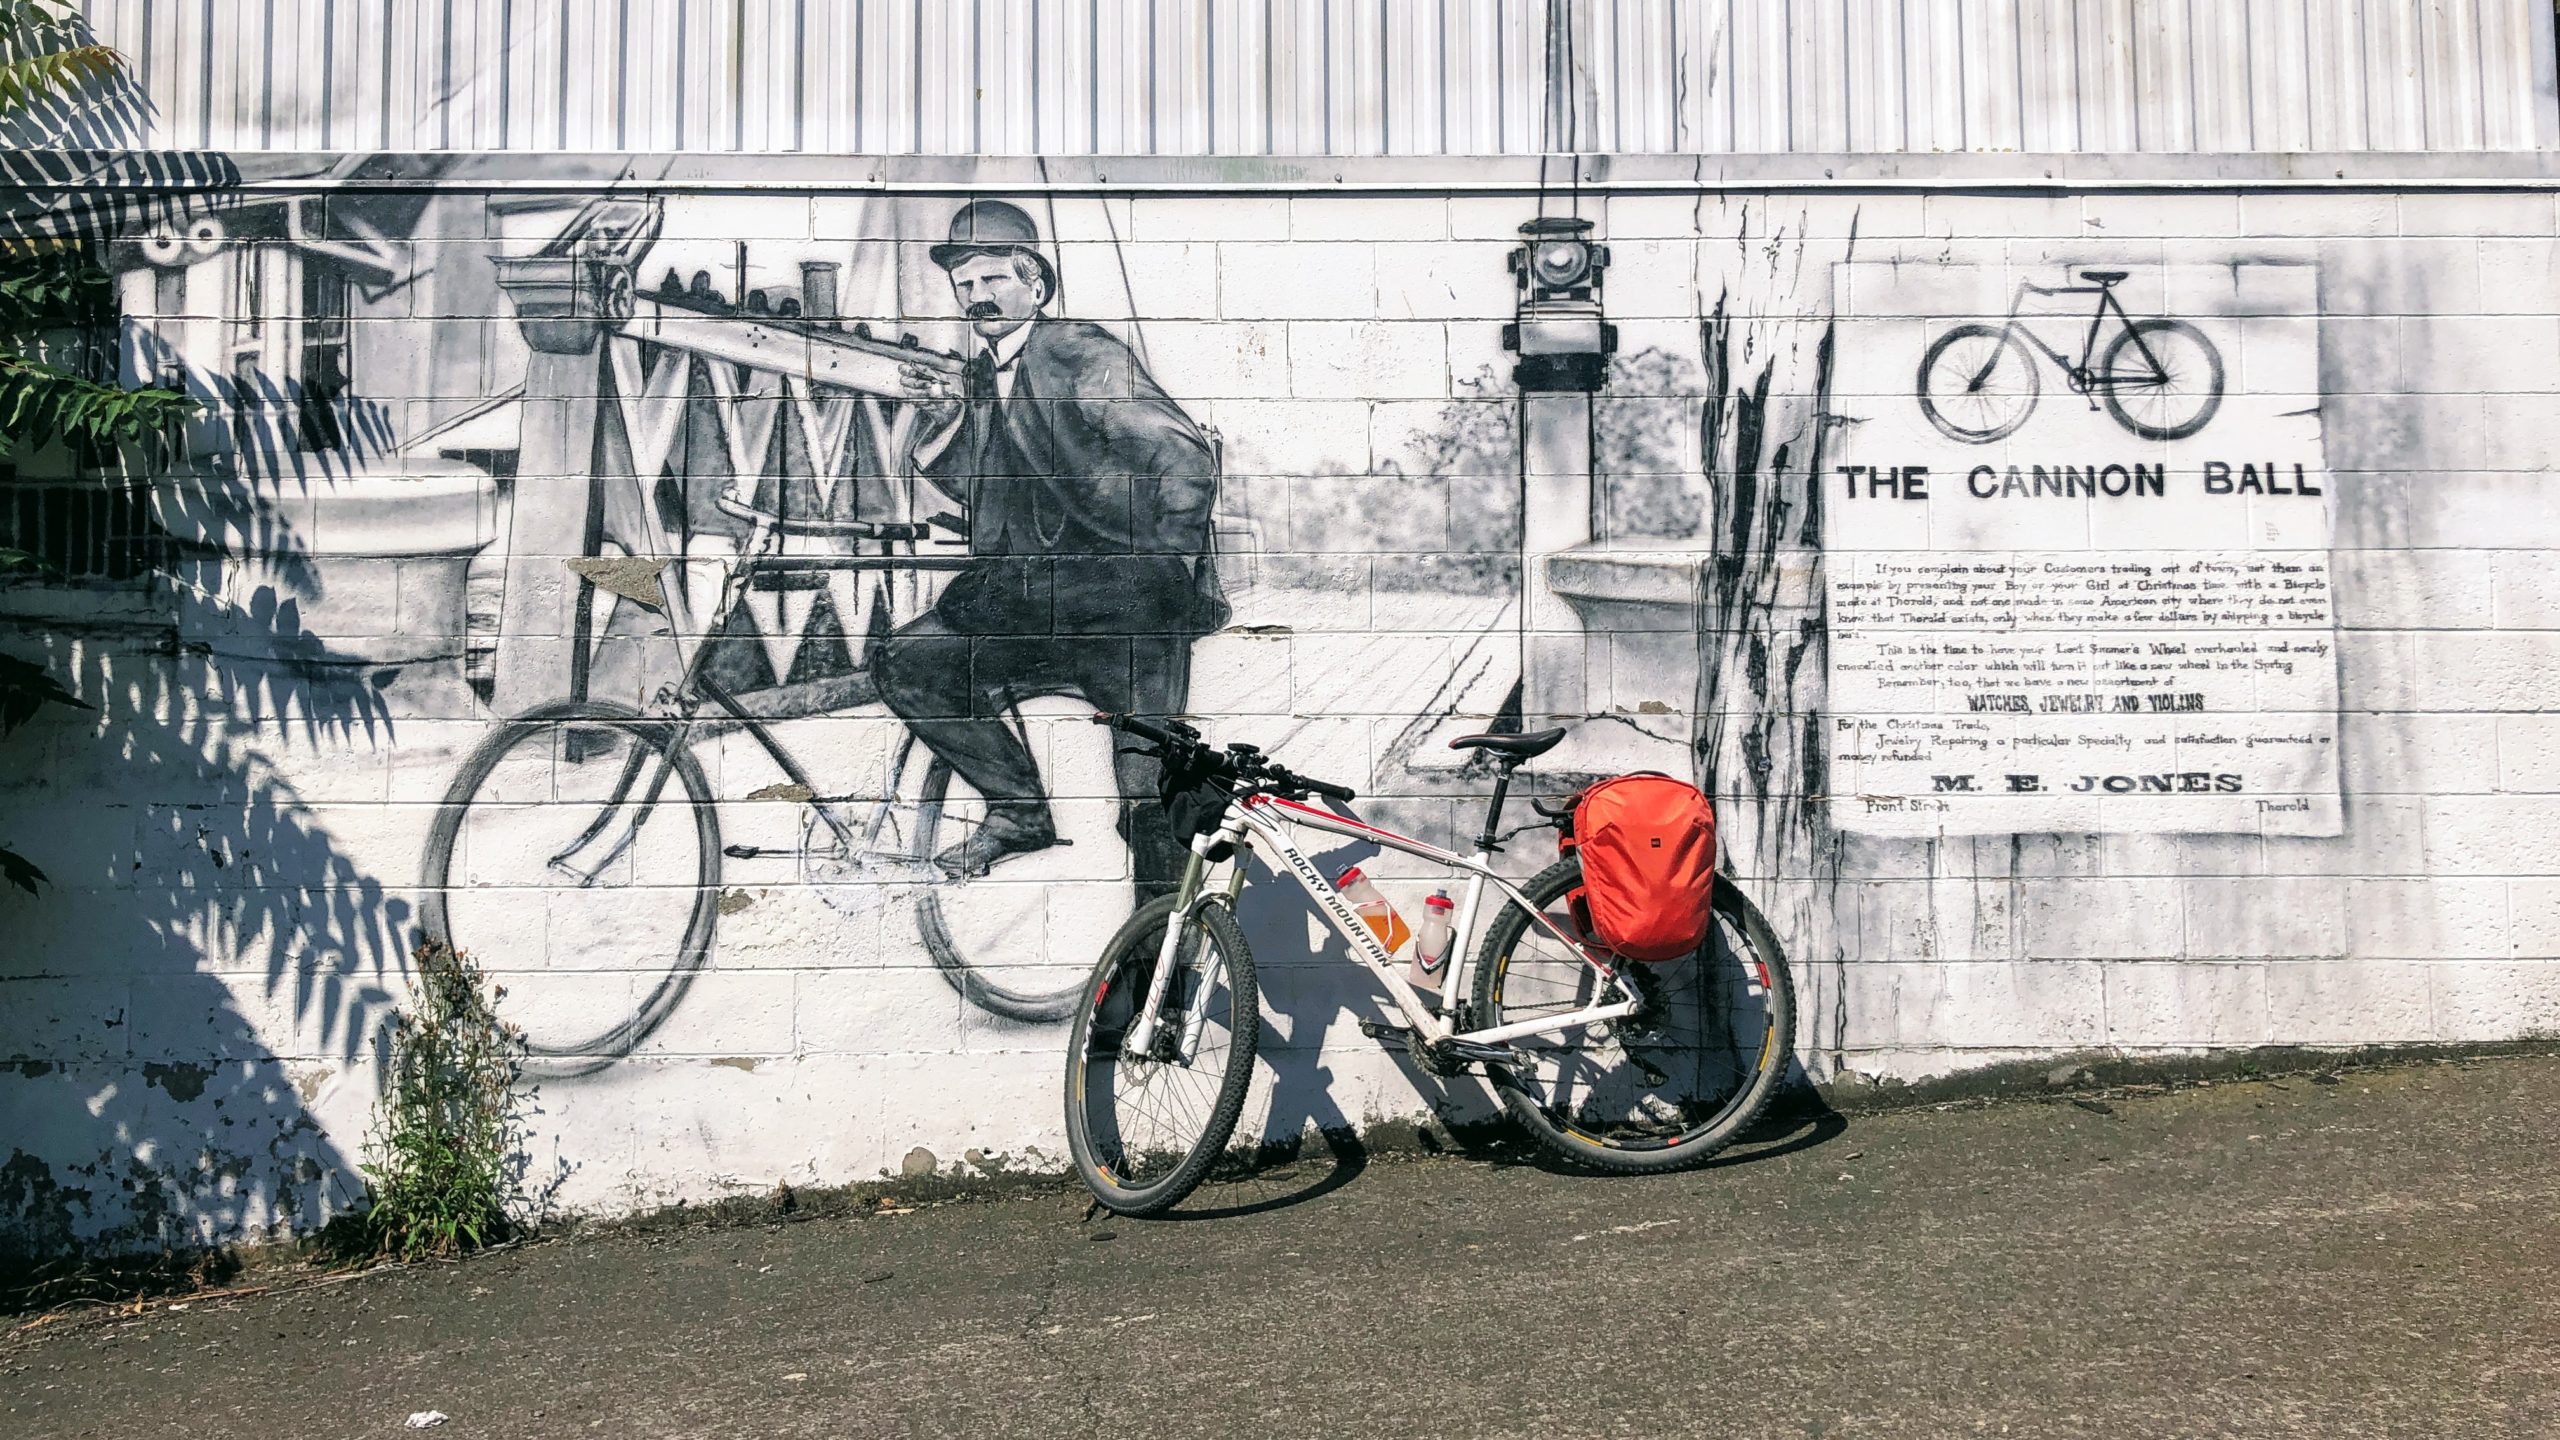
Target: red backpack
(1648,847)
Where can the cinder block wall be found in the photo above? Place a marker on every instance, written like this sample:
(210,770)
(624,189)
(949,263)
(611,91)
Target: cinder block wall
(243,838)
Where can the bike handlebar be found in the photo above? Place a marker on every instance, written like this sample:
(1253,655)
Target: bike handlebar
(1135,726)
(1240,764)
(1327,789)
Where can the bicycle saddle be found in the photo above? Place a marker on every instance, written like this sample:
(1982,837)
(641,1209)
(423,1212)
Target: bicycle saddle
(2104,277)
(1511,747)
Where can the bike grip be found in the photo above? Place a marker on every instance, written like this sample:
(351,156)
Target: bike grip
(1134,726)
(1331,791)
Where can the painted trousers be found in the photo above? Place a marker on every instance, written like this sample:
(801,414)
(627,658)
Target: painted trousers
(952,690)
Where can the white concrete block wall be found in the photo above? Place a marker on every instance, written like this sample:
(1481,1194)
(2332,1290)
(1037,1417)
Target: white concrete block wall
(235,843)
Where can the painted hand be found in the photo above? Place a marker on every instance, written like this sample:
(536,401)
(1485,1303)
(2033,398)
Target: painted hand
(936,396)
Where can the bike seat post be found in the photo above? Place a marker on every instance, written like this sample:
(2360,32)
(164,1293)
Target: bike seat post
(1490,841)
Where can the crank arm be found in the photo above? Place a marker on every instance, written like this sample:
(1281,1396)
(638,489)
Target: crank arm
(1471,1052)
(1461,1052)
(1386,1033)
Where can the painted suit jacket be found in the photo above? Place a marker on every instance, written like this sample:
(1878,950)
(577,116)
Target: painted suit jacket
(1089,494)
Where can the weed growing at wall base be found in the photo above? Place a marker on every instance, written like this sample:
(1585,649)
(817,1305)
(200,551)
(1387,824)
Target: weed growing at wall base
(445,1160)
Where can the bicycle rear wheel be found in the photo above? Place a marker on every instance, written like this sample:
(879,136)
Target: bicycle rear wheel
(1144,1129)
(1665,1088)
(2162,379)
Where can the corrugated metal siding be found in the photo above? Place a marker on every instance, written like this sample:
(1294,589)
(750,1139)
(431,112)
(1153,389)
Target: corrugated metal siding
(1342,77)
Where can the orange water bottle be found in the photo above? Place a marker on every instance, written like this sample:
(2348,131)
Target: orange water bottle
(1373,909)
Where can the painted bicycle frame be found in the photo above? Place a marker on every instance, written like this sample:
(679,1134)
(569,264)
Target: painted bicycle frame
(683,704)
(1262,821)
(2080,376)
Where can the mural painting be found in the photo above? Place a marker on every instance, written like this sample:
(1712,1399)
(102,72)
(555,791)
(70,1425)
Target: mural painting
(727,612)
(933,539)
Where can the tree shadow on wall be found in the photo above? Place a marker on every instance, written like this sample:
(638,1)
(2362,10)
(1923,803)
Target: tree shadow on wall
(207,961)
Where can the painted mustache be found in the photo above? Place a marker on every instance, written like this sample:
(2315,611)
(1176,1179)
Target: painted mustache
(984,310)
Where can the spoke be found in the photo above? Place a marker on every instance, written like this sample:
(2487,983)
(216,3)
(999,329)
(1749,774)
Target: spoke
(1161,1108)
(1702,1035)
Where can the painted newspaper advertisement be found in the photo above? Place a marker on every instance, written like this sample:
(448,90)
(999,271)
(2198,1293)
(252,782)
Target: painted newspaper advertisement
(2079,566)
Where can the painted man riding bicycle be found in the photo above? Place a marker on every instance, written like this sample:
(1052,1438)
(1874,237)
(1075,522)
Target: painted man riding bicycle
(1089,495)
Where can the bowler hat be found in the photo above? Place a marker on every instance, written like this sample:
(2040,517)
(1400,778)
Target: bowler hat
(993,227)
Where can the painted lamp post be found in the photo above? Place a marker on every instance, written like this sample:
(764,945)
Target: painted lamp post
(1609,631)
(1564,347)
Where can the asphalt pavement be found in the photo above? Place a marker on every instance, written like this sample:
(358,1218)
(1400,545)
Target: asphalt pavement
(2372,1253)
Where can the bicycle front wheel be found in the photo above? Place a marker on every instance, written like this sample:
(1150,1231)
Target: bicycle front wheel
(577,857)
(1662,1089)
(1978,383)
(1144,1127)
(2162,379)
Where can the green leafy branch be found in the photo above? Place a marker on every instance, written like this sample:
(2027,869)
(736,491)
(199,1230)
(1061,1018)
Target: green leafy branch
(39,401)
(35,78)
(46,291)
(44,57)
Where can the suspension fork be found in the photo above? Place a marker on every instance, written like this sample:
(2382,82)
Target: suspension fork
(1189,896)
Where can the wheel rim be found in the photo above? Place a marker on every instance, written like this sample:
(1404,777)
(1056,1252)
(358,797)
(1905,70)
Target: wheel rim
(1144,1116)
(1977,385)
(1701,1055)
(586,971)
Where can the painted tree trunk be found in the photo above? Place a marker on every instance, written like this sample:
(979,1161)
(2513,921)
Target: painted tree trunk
(1763,655)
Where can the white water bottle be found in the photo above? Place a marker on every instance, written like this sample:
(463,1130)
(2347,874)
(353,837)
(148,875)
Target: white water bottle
(1430,962)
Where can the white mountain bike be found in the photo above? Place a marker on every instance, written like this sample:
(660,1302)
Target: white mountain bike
(1614,1064)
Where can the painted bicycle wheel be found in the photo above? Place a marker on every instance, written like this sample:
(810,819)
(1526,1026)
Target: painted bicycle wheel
(576,856)
(2161,379)
(1978,383)
(998,934)
(1664,1088)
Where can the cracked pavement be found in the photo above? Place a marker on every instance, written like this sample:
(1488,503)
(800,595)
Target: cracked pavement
(2366,1257)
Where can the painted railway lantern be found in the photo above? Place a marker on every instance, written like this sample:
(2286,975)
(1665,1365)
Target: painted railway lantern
(1560,337)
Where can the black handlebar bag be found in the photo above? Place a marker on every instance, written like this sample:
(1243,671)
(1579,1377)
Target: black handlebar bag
(1195,795)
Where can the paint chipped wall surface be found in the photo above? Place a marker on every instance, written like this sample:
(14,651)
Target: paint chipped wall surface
(2105,619)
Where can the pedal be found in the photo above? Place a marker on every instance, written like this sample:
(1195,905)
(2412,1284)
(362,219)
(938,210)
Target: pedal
(756,852)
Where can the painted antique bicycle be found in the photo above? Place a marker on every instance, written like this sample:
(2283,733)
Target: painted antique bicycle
(2160,378)
(1614,1064)
(590,833)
